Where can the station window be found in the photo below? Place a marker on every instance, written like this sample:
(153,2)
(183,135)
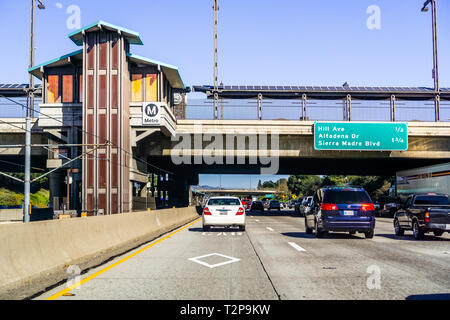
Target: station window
(67,88)
(151,88)
(144,86)
(53,89)
(136,88)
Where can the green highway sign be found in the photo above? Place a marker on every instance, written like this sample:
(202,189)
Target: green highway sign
(386,136)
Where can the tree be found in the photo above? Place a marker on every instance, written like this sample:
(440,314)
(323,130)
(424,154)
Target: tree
(269,185)
(259,185)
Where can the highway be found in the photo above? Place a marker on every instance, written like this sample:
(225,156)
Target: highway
(273,259)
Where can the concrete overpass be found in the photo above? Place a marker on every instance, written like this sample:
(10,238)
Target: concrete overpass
(429,143)
(241,192)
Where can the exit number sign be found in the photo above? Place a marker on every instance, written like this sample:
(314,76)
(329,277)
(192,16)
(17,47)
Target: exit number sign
(391,136)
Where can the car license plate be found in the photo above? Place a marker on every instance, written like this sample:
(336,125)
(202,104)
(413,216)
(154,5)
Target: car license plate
(224,213)
(348,213)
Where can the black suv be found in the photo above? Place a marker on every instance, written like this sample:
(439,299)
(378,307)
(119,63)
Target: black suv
(343,209)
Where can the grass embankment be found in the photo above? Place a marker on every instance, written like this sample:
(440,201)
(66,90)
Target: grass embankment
(10,198)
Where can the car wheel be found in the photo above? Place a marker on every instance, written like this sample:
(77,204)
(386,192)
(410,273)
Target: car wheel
(308,230)
(417,232)
(205,228)
(319,233)
(369,234)
(398,230)
(438,233)
(241,228)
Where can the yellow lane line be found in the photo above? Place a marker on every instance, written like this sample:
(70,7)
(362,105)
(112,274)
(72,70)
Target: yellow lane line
(68,289)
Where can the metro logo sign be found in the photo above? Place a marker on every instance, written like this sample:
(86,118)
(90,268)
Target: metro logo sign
(389,136)
(151,113)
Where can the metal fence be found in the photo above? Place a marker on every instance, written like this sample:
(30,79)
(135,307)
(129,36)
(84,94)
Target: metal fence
(17,109)
(317,110)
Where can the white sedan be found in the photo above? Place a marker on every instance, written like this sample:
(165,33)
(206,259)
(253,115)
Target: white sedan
(223,212)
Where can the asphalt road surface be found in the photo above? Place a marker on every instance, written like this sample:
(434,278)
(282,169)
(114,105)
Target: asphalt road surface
(273,259)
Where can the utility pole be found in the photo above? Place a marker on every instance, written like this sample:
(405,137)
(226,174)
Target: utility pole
(435,55)
(30,111)
(216,59)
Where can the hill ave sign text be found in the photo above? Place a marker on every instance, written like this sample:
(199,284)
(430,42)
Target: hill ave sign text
(361,136)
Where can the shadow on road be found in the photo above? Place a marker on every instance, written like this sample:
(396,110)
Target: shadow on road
(329,235)
(214,229)
(411,238)
(303,235)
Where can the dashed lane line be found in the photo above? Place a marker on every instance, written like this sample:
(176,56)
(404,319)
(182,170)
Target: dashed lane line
(296,246)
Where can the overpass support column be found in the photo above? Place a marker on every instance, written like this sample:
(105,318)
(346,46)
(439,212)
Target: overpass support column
(392,108)
(304,116)
(437,107)
(180,191)
(348,108)
(260,97)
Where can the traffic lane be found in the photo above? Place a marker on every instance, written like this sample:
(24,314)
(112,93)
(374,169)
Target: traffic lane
(164,271)
(336,267)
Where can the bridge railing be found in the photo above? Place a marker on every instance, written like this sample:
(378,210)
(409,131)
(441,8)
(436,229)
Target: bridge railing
(17,109)
(318,110)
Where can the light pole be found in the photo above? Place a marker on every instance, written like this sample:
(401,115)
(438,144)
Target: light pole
(30,111)
(435,56)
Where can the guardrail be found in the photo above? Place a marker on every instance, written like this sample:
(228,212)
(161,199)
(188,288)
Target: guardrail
(320,110)
(17,109)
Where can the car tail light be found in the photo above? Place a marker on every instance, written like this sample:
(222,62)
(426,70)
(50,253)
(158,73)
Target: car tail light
(206,212)
(427,217)
(328,206)
(367,207)
(240,212)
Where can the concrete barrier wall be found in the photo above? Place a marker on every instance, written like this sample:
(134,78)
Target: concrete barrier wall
(36,255)
(11,215)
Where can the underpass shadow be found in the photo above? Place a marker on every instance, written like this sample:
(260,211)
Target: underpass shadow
(433,296)
(409,237)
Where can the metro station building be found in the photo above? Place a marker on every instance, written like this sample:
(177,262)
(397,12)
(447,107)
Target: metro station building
(91,99)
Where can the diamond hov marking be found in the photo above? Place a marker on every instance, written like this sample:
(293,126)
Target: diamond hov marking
(230,260)
(296,246)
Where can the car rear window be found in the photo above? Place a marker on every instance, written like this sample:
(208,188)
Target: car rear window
(223,202)
(432,200)
(346,197)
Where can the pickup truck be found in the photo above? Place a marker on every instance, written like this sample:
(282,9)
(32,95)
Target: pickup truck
(423,213)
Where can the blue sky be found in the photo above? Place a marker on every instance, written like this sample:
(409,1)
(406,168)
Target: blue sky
(268,42)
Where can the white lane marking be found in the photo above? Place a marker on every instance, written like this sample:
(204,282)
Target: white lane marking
(269,228)
(230,260)
(256,220)
(296,246)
